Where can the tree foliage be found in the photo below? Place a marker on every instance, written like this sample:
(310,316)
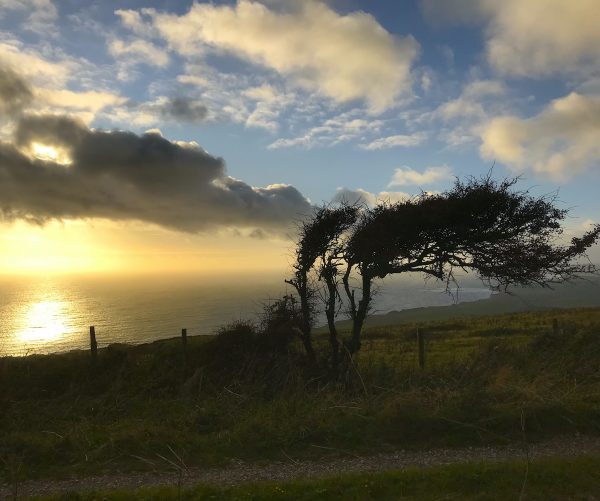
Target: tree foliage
(483,226)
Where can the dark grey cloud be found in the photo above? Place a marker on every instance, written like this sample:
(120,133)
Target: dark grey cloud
(15,93)
(178,109)
(183,109)
(120,175)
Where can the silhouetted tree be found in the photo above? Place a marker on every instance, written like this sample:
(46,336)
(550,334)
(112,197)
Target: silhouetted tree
(332,225)
(505,236)
(319,239)
(389,238)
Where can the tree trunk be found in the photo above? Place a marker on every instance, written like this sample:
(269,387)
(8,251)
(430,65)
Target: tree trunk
(301,286)
(361,314)
(306,328)
(330,314)
(310,351)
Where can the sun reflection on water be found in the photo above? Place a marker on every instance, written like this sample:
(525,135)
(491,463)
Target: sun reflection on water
(44,321)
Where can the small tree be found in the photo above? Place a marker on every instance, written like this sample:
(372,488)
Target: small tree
(320,240)
(334,223)
(506,237)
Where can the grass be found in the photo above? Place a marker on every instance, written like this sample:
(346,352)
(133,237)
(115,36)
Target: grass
(542,480)
(139,406)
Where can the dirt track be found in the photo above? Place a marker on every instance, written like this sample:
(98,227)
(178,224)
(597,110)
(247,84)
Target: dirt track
(240,472)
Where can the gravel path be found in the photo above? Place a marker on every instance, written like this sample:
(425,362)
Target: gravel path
(240,472)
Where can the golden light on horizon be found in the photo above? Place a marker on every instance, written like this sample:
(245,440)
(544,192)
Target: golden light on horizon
(74,246)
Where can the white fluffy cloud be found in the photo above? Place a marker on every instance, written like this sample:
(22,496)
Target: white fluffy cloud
(405,176)
(561,141)
(533,37)
(344,57)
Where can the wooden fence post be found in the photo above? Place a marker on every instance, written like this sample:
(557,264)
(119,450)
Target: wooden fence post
(184,338)
(93,343)
(184,346)
(421,343)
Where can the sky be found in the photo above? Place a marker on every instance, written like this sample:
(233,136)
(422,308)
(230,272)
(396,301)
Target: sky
(174,135)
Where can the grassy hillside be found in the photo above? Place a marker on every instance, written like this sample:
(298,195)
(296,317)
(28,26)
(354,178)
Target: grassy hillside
(487,380)
(582,293)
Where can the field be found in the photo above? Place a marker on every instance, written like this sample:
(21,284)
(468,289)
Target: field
(489,380)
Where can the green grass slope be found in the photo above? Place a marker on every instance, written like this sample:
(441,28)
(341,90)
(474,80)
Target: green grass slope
(579,294)
(486,380)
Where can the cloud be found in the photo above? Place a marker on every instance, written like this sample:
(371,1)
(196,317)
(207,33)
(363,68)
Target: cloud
(184,109)
(344,57)
(247,99)
(119,175)
(17,96)
(134,20)
(86,101)
(34,68)
(470,104)
(138,52)
(461,116)
(269,104)
(395,141)
(405,176)
(178,108)
(41,14)
(15,92)
(532,38)
(360,196)
(560,142)
(339,129)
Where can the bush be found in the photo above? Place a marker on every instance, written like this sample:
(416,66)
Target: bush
(233,344)
(279,324)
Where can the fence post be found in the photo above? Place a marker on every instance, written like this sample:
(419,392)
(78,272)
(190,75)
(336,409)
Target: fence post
(421,343)
(184,352)
(93,343)
(184,339)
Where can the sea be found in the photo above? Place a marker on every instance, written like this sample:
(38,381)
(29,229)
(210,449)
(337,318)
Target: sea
(50,313)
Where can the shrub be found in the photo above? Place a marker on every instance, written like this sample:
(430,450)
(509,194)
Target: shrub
(280,322)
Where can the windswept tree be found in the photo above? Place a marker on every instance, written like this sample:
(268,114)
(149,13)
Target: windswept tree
(320,241)
(504,236)
(334,223)
(387,239)
(510,237)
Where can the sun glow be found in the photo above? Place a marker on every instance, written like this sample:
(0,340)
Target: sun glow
(44,321)
(74,246)
(49,153)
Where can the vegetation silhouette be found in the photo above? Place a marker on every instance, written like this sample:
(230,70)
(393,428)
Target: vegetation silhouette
(321,240)
(503,235)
